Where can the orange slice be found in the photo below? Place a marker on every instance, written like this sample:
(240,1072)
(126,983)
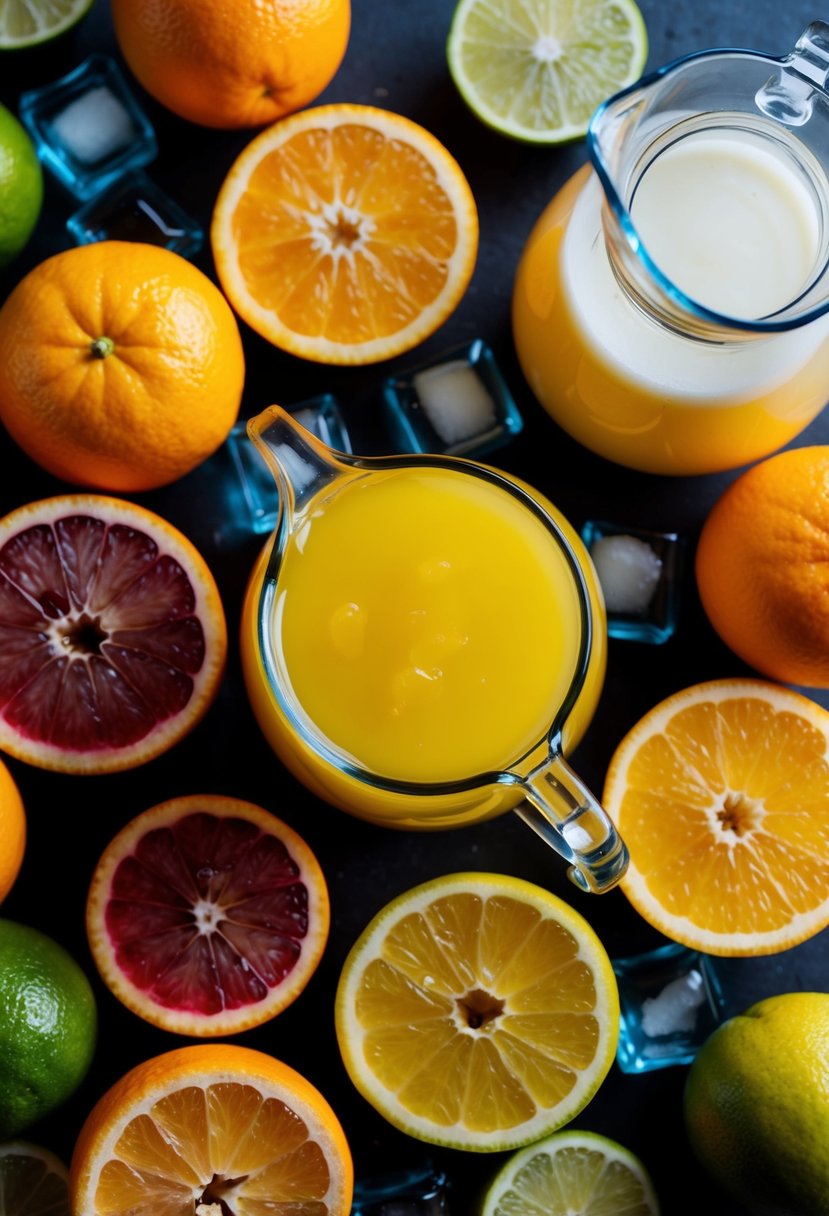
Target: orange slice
(477,1011)
(211,1129)
(112,634)
(207,915)
(721,793)
(345,234)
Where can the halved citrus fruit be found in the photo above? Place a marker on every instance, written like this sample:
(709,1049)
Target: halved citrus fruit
(207,915)
(345,234)
(213,1128)
(33,1182)
(572,1173)
(477,1011)
(112,634)
(537,69)
(721,793)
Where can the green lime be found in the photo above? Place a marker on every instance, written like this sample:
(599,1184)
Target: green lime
(47,1026)
(25,23)
(571,1174)
(757,1105)
(21,186)
(32,1181)
(537,69)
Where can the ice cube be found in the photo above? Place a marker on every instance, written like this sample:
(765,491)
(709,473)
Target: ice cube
(455,401)
(629,572)
(94,126)
(675,1008)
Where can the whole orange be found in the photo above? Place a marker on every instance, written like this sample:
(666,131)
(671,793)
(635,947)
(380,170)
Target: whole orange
(233,65)
(12,831)
(121,366)
(762,566)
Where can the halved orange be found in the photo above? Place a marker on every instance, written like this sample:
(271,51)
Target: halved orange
(345,234)
(207,915)
(721,793)
(112,634)
(477,1011)
(212,1128)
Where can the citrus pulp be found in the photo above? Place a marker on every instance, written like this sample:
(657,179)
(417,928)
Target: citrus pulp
(757,1105)
(571,1173)
(208,1127)
(25,23)
(477,1011)
(537,69)
(207,915)
(33,1182)
(721,793)
(345,234)
(762,566)
(113,631)
(121,366)
(237,65)
(48,1026)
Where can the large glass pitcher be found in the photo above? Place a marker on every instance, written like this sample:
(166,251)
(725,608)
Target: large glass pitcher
(670,307)
(423,640)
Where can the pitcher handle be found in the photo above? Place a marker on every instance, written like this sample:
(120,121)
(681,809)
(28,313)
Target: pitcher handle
(560,808)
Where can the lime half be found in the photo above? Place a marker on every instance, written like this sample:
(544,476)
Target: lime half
(537,69)
(32,1181)
(571,1174)
(25,23)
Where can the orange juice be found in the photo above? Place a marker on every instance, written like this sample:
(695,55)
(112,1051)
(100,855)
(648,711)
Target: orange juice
(630,388)
(426,625)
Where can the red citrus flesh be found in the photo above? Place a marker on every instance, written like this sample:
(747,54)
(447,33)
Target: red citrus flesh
(112,635)
(207,915)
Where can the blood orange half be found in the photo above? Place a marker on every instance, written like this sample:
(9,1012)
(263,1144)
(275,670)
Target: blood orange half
(207,915)
(112,634)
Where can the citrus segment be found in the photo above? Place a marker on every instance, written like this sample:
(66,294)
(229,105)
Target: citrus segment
(572,1173)
(207,915)
(33,1182)
(537,69)
(25,23)
(213,1127)
(762,566)
(111,630)
(121,366)
(345,234)
(477,1011)
(721,793)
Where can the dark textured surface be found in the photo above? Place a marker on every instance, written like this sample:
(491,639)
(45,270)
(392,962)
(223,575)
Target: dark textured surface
(396,60)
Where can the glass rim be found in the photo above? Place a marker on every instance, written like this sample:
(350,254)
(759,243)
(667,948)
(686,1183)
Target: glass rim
(760,325)
(299,721)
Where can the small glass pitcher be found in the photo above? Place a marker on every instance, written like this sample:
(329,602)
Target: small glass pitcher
(288,657)
(670,307)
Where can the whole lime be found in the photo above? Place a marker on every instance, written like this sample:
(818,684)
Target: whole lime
(21,187)
(757,1106)
(48,1026)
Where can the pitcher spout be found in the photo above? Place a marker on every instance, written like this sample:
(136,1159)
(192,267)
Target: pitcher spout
(300,463)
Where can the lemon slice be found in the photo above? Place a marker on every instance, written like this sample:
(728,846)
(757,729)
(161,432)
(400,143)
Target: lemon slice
(33,1182)
(25,23)
(572,1174)
(537,69)
(477,1011)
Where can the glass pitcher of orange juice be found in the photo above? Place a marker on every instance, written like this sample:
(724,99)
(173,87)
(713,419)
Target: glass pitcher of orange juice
(670,307)
(423,640)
